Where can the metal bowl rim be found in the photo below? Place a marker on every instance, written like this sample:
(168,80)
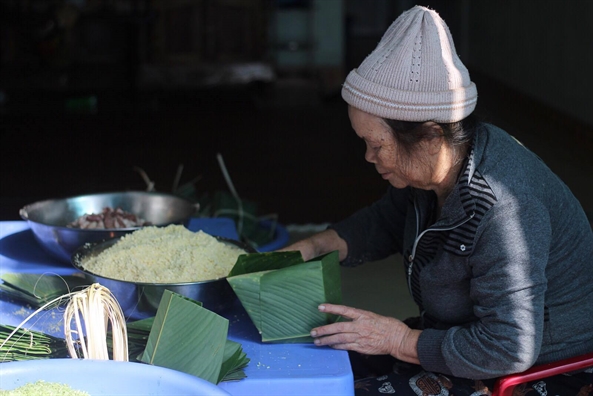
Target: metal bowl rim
(24,211)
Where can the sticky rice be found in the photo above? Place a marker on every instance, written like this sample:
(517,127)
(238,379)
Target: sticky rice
(171,254)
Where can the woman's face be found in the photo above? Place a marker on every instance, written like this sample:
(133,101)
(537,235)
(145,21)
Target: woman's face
(392,163)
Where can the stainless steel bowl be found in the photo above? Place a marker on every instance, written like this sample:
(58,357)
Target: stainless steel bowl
(139,300)
(49,219)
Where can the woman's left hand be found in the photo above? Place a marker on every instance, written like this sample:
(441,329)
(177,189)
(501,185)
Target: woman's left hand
(367,333)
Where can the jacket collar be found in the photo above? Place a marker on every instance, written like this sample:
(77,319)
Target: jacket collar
(460,203)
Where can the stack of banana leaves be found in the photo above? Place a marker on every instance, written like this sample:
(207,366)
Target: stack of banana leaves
(29,345)
(39,289)
(182,336)
(281,292)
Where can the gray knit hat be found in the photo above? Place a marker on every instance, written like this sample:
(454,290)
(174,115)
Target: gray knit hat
(414,74)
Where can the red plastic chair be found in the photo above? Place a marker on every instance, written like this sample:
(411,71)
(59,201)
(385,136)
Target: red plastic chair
(504,386)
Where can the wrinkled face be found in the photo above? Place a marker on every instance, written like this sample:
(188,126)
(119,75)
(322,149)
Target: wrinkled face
(394,165)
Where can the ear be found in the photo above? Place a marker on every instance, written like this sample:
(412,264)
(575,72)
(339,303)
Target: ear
(435,142)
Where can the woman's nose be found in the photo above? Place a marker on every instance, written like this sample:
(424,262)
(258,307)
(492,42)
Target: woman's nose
(370,155)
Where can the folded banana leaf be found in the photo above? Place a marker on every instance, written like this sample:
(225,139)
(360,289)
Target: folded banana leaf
(39,289)
(234,360)
(281,292)
(189,338)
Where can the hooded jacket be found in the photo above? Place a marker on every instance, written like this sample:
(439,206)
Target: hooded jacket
(504,277)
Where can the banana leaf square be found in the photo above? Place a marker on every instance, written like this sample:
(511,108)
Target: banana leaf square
(282,302)
(187,337)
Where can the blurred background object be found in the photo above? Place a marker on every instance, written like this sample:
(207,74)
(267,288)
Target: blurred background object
(92,89)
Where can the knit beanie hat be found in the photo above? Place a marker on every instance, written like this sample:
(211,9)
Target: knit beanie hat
(414,74)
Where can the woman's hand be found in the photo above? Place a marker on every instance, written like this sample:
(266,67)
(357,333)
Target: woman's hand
(318,244)
(368,333)
(305,246)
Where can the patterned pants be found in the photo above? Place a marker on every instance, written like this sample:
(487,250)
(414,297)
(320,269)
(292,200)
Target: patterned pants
(410,380)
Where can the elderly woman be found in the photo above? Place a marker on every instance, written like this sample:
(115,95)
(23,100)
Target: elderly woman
(498,252)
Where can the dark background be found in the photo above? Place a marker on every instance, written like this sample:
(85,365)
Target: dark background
(81,109)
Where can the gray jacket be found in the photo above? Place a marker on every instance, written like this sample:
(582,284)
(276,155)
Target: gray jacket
(504,277)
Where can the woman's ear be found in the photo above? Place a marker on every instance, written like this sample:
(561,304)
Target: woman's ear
(436,139)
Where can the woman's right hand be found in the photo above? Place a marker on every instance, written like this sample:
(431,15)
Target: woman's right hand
(305,246)
(318,244)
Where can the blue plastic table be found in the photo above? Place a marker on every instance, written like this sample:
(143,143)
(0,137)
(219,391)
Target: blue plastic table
(274,369)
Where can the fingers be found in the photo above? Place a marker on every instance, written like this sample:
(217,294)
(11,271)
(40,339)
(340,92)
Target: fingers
(339,335)
(342,310)
(353,314)
(366,332)
(334,328)
(335,339)
(344,336)
(344,340)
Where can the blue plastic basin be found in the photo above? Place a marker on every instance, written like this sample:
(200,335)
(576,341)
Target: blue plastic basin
(106,377)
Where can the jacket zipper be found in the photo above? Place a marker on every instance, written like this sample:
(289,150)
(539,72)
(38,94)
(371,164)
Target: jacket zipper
(418,237)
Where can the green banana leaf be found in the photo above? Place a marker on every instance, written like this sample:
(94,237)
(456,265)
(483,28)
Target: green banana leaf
(281,292)
(234,361)
(38,289)
(189,338)
(255,262)
(223,359)
(30,345)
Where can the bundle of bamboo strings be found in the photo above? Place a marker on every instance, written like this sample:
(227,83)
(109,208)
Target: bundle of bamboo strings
(98,308)
(91,315)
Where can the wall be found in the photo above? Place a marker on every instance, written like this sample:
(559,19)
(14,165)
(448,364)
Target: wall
(328,25)
(541,48)
(309,36)
(307,40)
